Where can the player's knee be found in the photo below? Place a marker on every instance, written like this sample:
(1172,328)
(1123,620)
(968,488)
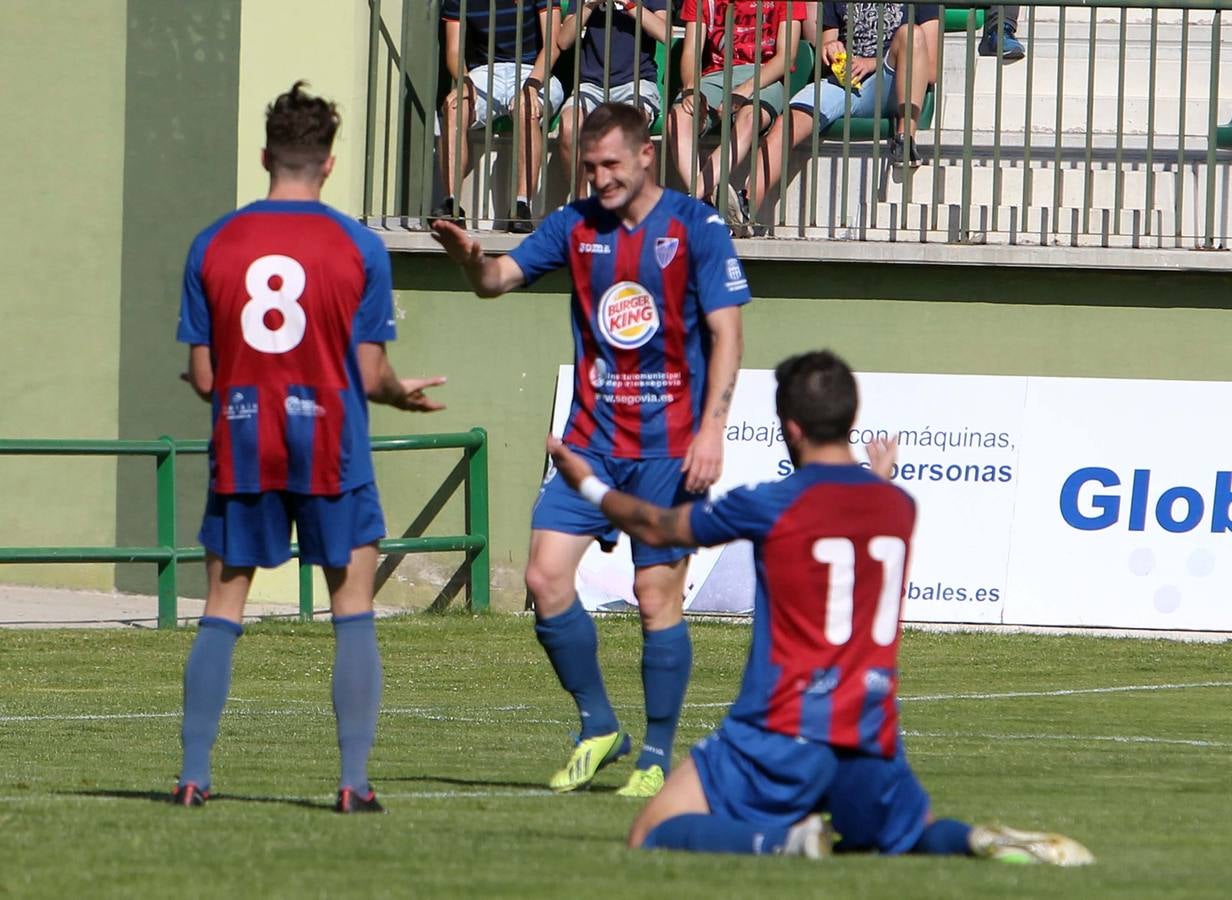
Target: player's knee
(549,588)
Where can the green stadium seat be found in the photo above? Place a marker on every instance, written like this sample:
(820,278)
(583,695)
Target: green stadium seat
(956,19)
(1223,137)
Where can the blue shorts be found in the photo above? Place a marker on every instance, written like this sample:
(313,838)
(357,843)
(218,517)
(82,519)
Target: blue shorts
(758,776)
(658,481)
(255,529)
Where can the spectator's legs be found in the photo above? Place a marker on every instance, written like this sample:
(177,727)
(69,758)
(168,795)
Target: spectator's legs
(1000,23)
(998,14)
(741,141)
(531,152)
(768,168)
(909,106)
(680,135)
(566,146)
(357,672)
(454,154)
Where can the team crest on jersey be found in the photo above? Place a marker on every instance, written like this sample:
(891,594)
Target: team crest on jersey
(628,316)
(665,250)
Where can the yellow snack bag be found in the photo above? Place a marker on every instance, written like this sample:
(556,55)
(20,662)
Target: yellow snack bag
(839,69)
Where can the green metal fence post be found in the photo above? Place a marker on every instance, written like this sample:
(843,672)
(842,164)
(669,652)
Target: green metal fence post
(305,592)
(164,474)
(477,521)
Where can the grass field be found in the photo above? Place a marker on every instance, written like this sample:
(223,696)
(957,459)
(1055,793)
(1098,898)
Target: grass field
(1136,762)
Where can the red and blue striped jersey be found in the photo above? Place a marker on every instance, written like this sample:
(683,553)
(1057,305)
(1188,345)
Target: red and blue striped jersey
(640,300)
(282,292)
(830,548)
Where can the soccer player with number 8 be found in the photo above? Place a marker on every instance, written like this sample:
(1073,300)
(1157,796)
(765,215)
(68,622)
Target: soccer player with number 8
(287,305)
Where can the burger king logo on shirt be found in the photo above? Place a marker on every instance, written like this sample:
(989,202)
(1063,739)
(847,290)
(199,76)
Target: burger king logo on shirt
(628,317)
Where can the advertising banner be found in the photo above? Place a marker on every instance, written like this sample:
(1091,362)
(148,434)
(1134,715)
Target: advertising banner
(1041,501)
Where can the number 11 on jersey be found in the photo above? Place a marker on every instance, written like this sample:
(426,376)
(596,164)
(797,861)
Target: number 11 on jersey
(839,554)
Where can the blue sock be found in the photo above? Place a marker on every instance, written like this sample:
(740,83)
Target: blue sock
(207,678)
(357,695)
(572,645)
(715,834)
(667,659)
(944,837)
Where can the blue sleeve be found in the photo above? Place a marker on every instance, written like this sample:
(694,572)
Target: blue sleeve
(741,513)
(194,324)
(374,320)
(546,248)
(831,15)
(924,12)
(450,10)
(655,5)
(716,267)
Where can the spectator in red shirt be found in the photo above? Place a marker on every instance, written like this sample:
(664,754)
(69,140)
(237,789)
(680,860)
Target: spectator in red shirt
(702,78)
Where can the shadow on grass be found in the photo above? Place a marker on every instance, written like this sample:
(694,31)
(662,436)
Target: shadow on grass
(165,798)
(537,786)
(461,782)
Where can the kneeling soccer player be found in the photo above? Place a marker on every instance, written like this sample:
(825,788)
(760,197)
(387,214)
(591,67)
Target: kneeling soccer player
(287,306)
(814,729)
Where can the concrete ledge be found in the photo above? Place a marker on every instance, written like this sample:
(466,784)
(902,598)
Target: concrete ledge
(399,239)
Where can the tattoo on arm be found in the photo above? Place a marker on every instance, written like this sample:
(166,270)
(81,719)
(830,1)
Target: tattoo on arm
(725,400)
(651,521)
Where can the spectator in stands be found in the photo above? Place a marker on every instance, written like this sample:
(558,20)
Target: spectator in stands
(608,59)
(701,95)
(1000,24)
(508,73)
(848,48)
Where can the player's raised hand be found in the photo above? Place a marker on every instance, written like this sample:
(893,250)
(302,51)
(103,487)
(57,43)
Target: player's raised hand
(414,399)
(459,247)
(882,455)
(703,463)
(571,466)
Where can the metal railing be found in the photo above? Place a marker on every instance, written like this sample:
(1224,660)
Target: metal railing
(167,554)
(1109,132)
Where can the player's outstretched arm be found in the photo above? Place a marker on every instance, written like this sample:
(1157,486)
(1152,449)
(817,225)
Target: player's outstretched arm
(382,385)
(654,525)
(489,276)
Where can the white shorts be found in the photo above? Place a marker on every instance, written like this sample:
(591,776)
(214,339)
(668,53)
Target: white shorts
(505,89)
(589,95)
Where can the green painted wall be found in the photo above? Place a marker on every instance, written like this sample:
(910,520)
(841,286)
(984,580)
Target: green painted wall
(181,82)
(62,180)
(139,123)
(501,356)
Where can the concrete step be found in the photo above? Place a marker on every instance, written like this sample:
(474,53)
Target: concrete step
(1134,114)
(1073,73)
(989,225)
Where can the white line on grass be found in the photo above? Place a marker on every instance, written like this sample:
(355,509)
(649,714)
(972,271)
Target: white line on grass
(527,794)
(440,714)
(1107,738)
(1067,692)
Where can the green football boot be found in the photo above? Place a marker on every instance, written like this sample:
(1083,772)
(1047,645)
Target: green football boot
(588,758)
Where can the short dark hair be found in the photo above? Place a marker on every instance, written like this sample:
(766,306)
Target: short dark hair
(607,116)
(300,129)
(818,392)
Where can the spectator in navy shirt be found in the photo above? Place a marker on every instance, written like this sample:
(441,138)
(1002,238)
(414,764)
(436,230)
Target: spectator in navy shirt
(609,38)
(507,73)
